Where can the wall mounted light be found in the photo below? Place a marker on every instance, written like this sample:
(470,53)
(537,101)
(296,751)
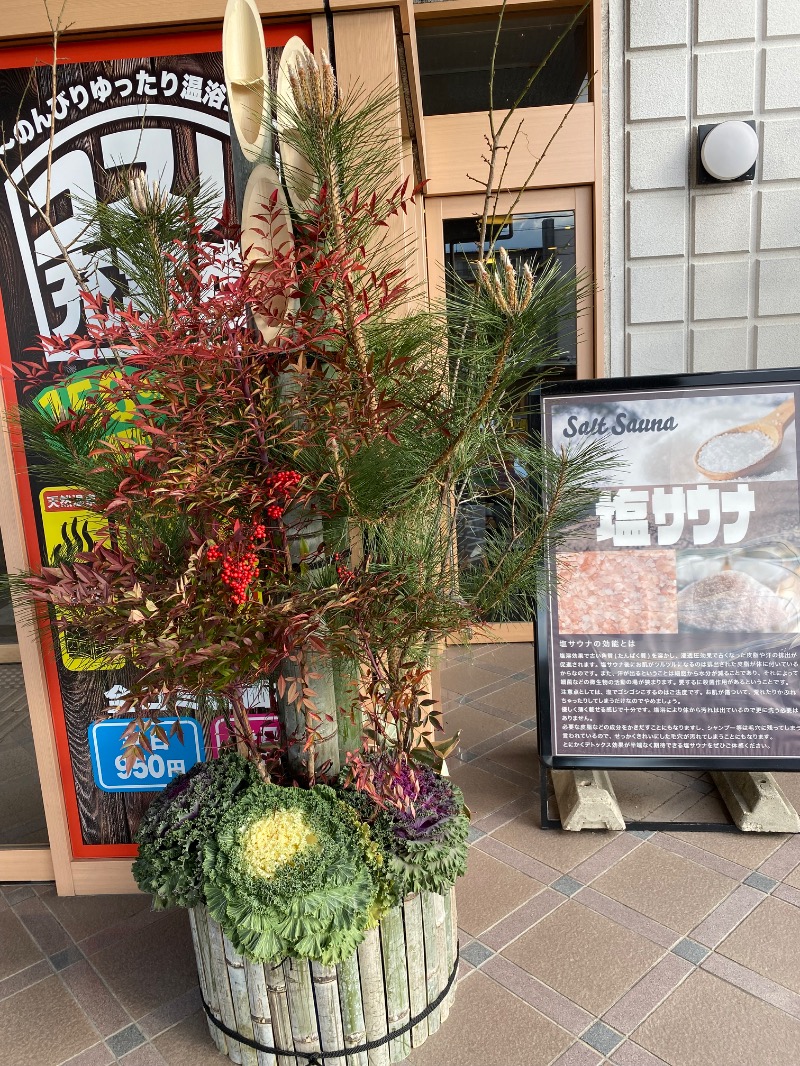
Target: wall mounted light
(726,152)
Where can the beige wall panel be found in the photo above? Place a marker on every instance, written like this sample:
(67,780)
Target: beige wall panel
(455,145)
(103,877)
(367,60)
(503,633)
(26,864)
(366,50)
(441,9)
(26,18)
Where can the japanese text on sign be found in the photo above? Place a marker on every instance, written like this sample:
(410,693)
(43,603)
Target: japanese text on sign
(625,517)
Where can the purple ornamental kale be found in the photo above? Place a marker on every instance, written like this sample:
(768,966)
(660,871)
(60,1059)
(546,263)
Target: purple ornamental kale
(433,804)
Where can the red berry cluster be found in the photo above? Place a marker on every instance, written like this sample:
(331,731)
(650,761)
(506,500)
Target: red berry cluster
(345,575)
(282,486)
(237,575)
(239,570)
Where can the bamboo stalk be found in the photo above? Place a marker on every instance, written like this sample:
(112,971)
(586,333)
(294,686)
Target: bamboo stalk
(220,970)
(353,1026)
(396,980)
(279,1010)
(260,1012)
(345,684)
(433,959)
(440,920)
(415,964)
(370,965)
(199,927)
(234,964)
(327,747)
(325,983)
(451,940)
(300,996)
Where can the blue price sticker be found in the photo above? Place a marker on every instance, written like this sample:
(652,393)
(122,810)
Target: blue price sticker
(167,760)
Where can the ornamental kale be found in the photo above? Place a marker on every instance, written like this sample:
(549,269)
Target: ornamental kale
(417,817)
(290,872)
(176,825)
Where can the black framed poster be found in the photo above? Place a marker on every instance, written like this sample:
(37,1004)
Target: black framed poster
(671,632)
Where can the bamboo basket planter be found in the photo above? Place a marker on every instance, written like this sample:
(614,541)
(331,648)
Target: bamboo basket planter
(401,967)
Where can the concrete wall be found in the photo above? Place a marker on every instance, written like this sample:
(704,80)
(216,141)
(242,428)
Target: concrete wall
(701,278)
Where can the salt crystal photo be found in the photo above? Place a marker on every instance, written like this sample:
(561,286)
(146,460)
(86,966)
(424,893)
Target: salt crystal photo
(748,434)
(753,590)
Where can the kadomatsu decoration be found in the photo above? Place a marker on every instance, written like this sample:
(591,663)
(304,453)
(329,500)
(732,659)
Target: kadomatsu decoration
(280,453)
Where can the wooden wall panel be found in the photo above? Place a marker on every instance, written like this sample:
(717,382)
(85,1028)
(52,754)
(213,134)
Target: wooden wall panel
(367,59)
(24,18)
(455,145)
(26,864)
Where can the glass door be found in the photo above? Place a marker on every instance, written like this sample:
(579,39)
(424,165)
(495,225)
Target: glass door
(546,226)
(24,851)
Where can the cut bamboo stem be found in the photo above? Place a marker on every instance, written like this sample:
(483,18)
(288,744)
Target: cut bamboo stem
(260,1012)
(302,1014)
(440,921)
(434,959)
(415,964)
(370,965)
(394,968)
(234,963)
(226,1010)
(353,1025)
(451,936)
(325,983)
(349,717)
(327,747)
(275,977)
(199,926)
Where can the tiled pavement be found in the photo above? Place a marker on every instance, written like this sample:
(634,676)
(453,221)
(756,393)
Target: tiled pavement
(632,949)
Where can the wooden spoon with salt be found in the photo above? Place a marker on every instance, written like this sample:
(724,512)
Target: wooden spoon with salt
(708,460)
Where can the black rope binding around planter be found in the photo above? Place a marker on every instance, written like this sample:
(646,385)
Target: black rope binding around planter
(317,1058)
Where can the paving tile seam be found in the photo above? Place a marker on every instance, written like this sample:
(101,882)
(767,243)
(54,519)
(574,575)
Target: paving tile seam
(576,1044)
(707,859)
(715,964)
(648,928)
(497,740)
(525,860)
(653,1060)
(555,1000)
(48,914)
(489,689)
(514,808)
(117,1001)
(542,1009)
(617,841)
(43,977)
(787,849)
(648,1010)
(728,928)
(514,777)
(507,943)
